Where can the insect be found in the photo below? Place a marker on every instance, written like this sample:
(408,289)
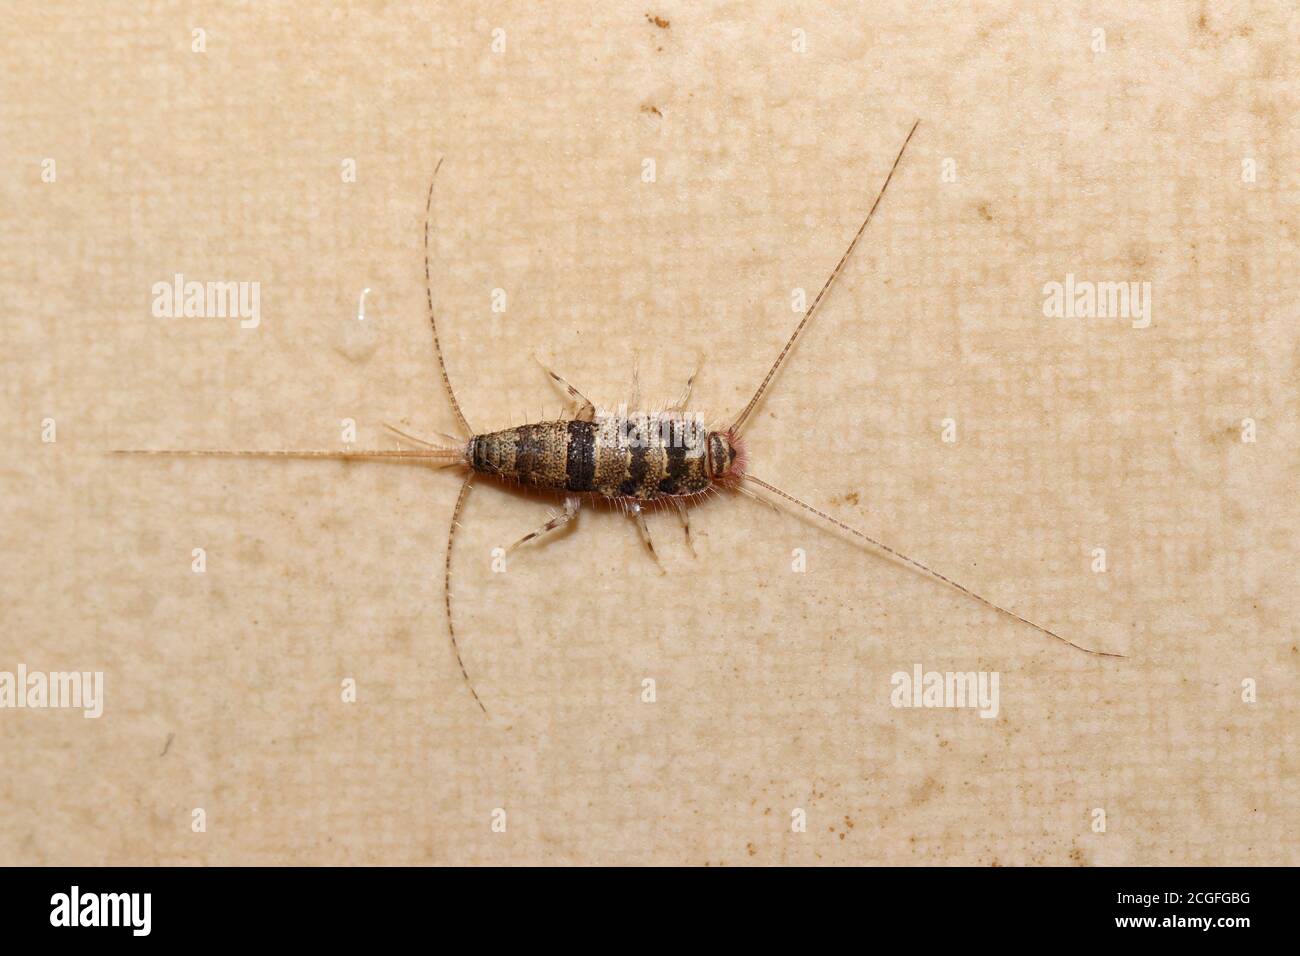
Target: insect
(635,459)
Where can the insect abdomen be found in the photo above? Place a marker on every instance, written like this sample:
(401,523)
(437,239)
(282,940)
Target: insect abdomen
(640,456)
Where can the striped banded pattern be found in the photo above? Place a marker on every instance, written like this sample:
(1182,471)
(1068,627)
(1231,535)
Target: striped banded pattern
(641,456)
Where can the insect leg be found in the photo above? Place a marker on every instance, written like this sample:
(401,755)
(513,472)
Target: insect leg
(571,505)
(685,516)
(635,404)
(584,411)
(644,530)
(685,397)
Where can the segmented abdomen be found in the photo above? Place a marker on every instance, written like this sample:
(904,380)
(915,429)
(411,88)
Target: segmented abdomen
(641,456)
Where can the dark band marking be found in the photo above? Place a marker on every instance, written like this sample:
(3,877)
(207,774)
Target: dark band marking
(639,466)
(677,467)
(580,457)
(530,449)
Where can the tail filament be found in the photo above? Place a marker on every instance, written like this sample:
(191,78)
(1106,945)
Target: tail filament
(433,321)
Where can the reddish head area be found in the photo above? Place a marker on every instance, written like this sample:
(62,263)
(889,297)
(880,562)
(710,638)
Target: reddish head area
(726,457)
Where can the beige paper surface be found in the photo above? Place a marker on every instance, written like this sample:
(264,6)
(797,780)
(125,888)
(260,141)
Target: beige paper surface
(660,180)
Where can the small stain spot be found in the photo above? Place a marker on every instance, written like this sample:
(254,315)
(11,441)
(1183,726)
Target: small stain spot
(650,108)
(660,22)
(356,340)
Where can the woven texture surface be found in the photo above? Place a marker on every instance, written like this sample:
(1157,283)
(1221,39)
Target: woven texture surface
(657,181)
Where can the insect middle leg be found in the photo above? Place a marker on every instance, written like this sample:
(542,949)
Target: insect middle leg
(686,522)
(571,505)
(638,515)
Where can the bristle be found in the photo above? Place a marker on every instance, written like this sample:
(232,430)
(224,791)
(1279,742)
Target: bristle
(741,463)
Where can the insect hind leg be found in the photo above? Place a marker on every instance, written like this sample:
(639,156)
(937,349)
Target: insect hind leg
(583,409)
(571,505)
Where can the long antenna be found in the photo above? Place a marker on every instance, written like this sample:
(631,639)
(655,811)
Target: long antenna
(433,321)
(771,373)
(918,565)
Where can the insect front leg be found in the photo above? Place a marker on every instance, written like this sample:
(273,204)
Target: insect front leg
(635,404)
(571,505)
(583,409)
(644,530)
(685,397)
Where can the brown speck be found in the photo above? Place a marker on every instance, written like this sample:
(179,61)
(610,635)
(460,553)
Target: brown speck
(751,848)
(984,212)
(927,790)
(851,497)
(848,822)
(650,108)
(660,22)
